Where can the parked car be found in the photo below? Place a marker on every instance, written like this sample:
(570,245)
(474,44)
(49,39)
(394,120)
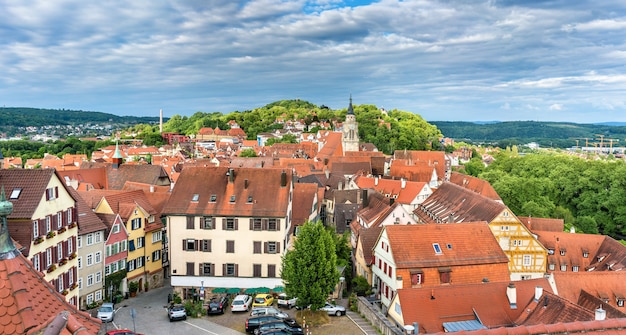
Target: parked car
(176,312)
(122,332)
(277,332)
(217,305)
(253,322)
(274,325)
(106,312)
(334,309)
(286,301)
(257,311)
(241,303)
(263,299)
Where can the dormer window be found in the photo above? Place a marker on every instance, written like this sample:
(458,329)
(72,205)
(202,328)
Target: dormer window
(437,248)
(213,198)
(620,302)
(585,254)
(562,252)
(550,251)
(563,267)
(232,198)
(249,199)
(195,197)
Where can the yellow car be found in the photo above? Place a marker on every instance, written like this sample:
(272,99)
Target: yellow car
(263,299)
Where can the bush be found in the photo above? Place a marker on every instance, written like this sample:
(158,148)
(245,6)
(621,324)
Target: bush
(133,286)
(194,309)
(360,286)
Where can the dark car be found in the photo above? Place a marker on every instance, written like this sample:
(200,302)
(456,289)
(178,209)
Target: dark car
(277,332)
(276,325)
(253,323)
(217,305)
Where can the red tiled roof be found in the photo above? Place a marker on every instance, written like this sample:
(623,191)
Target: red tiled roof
(29,303)
(393,188)
(436,159)
(543,224)
(412,245)
(368,238)
(568,249)
(477,185)
(253,184)
(302,205)
(604,284)
(596,327)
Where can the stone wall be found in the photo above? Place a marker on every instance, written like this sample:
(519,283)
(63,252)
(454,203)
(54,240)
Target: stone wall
(376,318)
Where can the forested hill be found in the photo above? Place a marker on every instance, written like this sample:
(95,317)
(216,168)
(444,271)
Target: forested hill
(556,134)
(37,117)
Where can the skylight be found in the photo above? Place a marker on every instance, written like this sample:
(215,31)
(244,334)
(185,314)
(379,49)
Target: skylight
(15,193)
(195,197)
(213,198)
(437,248)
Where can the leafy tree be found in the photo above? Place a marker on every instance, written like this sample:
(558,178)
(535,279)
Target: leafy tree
(309,270)
(360,286)
(247,153)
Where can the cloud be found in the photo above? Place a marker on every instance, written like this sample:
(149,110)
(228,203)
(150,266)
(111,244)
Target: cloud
(444,60)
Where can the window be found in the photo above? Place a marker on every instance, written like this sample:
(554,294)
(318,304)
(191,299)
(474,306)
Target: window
(89,280)
(98,257)
(114,267)
(79,242)
(15,193)
(232,198)
(140,242)
(206,245)
(527,260)
(98,237)
(213,198)
(136,223)
(195,197)
(48,224)
(60,283)
(271,270)
(620,302)
(115,229)
(49,256)
(35,261)
(437,248)
(70,247)
(52,193)
(190,222)
(256,224)
(417,278)
(190,244)
(59,251)
(89,239)
(156,255)
(80,262)
(89,299)
(550,251)
(70,216)
(256,270)
(207,269)
(271,247)
(157,236)
(230,246)
(98,295)
(444,276)
(585,254)
(575,268)
(563,267)
(562,252)
(139,262)
(249,199)
(59,220)
(208,223)
(90,260)
(257,247)
(107,270)
(504,228)
(551,266)
(130,266)
(35,229)
(80,284)
(230,270)
(98,277)
(272,225)
(230,224)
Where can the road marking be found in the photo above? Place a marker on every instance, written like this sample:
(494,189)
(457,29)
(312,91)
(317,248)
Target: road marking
(206,331)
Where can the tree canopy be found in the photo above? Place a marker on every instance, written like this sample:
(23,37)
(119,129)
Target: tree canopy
(309,270)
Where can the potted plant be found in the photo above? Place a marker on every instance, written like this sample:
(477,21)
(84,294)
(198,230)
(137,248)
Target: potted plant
(133,287)
(62,230)
(146,286)
(51,234)
(38,240)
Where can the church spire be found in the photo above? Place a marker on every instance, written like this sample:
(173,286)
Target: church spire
(350,109)
(7,248)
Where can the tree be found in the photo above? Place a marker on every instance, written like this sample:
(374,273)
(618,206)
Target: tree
(247,153)
(310,269)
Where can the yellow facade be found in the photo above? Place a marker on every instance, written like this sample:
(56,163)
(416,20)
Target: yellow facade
(527,257)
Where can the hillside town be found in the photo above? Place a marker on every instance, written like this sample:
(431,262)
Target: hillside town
(440,250)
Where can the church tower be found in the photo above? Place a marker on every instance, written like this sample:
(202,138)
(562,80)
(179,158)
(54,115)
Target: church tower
(350,138)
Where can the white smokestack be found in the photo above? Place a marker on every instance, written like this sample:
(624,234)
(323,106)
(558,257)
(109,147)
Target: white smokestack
(511,294)
(538,292)
(600,314)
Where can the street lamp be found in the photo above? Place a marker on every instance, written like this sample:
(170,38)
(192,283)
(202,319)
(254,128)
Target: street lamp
(341,280)
(201,290)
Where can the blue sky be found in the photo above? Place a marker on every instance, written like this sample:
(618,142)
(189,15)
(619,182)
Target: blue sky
(457,60)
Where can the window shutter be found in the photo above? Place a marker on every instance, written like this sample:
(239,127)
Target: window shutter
(251,224)
(224,224)
(66,280)
(200,272)
(56,192)
(197,245)
(184,244)
(278,224)
(213,220)
(236,270)
(264,224)
(277,247)
(65,248)
(236,224)
(64,218)
(265,247)
(212,269)
(209,246)
(224,270)
(55,255)
(47,195)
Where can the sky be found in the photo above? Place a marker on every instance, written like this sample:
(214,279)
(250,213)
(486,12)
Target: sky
(446,60)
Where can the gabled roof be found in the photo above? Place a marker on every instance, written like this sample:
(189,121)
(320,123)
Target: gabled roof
(413,246)
(331,145)
(421,172)
(88,221)
(30,303)
(436,159)
(477,185)
(453,203)
(403,192)
(368,238)
(236,191)
(374,205)
(488,302)
(86,178)
(145,173)
(605,285)
(542,224)
(569,249)
(125,203)
(551,309)
(302,204)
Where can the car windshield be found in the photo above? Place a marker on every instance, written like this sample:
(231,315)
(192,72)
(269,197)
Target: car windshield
(178,308)
(259,300)
(237,302)
(106,309)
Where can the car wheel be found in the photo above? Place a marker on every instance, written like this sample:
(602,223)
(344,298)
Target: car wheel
(337,313)
(170,319)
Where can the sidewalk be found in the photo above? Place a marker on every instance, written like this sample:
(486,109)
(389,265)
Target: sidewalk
(359,321)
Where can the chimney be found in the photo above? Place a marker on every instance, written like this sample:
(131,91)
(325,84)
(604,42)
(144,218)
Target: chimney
(398,283)
(340,186)
(245,184)
(538,292)
(511,294)
(572,230)
(600,314)
(151,188)
(327,173)
(376,181)
(231,175)
(403,183)
(451,217)
(283,179)
(365,200)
